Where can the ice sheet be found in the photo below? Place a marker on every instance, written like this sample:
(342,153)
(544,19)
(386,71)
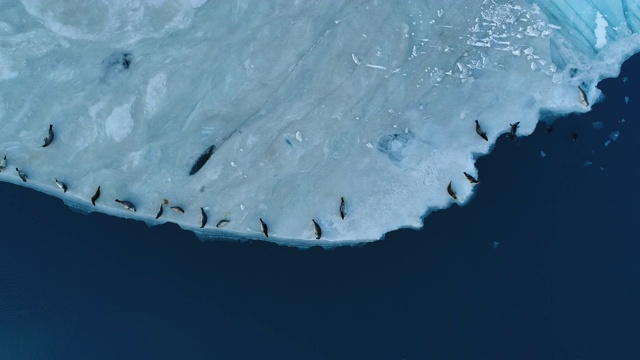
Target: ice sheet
(304,102)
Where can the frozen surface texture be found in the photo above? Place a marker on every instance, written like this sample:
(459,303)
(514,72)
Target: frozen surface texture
(299,103)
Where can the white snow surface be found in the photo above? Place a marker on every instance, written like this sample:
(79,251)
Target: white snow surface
(305,101)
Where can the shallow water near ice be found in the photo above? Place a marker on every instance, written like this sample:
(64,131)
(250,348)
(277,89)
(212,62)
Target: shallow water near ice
(301,104)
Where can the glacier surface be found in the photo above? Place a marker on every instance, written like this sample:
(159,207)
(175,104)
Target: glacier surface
(300,102)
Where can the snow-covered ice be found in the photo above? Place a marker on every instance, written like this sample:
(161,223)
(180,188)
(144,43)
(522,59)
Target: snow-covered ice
(300,103)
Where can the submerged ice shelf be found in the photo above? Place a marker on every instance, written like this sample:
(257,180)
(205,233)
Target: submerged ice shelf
(272,110)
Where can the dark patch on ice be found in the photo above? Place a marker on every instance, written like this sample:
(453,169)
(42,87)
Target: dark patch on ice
(202,159)
(393,145)
(119,61)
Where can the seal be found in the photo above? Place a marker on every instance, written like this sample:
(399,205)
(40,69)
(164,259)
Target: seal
(203,220)
(470,178)
(265,229)
(3,163)
(23,176)
(127,205)
(177,209)
(514,128)
(95,196)
(202,159)
(451,191)
(481,132)
(316,229)
(583,97)
(222,223)
(49,138)
(342,213)
(160,211)
(61,185)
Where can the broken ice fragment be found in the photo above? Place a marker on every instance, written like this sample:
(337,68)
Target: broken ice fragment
(597,125)
(614,135)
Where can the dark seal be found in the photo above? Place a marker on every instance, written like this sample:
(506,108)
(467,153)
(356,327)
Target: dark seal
(95,196)
(317,230)
(49,139)
(265,229)
(127,205)
(203,220)
(481,132)
(451,191)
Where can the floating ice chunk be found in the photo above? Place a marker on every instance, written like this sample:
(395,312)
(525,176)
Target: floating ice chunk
(597,125)
(496,244)
(194,75)
(614,135)
(626,99)
(543,154)
(606,143)
(586,163)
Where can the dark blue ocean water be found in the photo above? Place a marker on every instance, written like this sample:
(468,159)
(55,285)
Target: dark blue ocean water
(563,283)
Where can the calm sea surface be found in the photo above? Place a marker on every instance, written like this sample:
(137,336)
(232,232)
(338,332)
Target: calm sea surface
(562,283)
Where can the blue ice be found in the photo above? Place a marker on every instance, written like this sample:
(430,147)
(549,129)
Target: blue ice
(301,103)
